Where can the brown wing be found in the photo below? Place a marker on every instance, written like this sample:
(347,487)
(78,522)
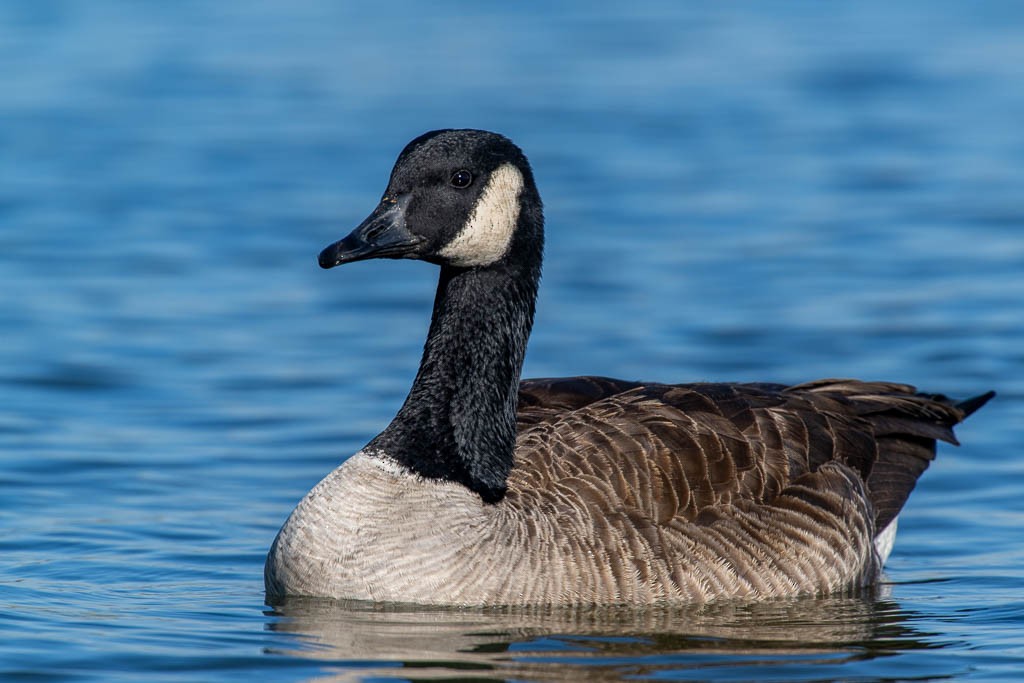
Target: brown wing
(665,452)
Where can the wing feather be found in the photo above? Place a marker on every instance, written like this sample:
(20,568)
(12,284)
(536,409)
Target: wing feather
(672,452)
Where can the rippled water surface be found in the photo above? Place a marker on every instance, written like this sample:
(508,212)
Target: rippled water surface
(758,192)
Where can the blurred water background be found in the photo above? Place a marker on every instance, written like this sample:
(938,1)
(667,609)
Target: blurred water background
(757,191)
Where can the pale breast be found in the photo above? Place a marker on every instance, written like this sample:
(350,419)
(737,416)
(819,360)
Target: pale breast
(371,530)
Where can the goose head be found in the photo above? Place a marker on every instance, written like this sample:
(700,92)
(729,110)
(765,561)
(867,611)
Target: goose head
(456,198)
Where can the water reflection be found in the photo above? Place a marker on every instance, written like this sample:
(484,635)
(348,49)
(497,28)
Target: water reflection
(796,639)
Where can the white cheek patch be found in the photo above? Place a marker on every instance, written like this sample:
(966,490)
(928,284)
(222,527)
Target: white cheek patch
(486,236)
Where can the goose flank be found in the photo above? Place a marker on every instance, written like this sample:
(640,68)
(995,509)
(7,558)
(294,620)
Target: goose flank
(490,490)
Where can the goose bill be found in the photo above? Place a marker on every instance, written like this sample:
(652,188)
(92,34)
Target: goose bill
(382,235)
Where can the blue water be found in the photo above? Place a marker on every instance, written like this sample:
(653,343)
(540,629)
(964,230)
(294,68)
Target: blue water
(765,191)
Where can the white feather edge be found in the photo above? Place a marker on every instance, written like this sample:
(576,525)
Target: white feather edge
(886,540)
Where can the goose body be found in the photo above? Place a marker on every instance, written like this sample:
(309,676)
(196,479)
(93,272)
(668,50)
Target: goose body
(489,490)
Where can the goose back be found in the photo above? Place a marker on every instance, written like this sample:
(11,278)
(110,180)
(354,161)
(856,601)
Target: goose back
(704,445)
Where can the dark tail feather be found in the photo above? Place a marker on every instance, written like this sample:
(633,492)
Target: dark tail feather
(968,406)
(906,445)
(906,425)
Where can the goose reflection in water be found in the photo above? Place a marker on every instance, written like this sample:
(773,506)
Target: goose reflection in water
(785,639)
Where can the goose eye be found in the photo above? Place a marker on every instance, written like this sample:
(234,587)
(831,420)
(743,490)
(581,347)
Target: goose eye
(461,179)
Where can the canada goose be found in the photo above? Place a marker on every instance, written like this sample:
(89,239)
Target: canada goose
(485,490)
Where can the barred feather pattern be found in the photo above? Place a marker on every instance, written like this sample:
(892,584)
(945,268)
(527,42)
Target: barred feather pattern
(631,493)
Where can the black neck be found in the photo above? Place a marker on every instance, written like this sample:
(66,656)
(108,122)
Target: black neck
(459,420)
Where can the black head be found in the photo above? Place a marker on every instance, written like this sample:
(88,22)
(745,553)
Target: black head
(460,198)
